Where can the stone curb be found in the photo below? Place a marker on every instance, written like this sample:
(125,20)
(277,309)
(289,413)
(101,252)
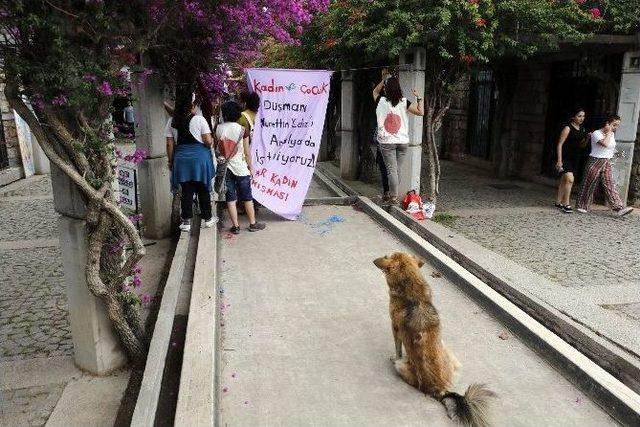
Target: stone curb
(147,403)
(196,395)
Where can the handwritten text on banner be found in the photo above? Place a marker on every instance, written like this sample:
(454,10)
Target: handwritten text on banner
(286,135)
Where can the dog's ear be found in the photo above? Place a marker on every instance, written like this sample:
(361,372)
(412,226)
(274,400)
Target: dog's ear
(420,261)
(381,263)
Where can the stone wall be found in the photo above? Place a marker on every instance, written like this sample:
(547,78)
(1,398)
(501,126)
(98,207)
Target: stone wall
(454,127)
(14,171)
(525,132)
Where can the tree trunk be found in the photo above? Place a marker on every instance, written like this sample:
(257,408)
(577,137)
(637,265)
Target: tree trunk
(430,167)
(103,214)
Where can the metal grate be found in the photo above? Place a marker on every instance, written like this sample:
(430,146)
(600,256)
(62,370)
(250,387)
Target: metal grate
(4,155)
(481,110)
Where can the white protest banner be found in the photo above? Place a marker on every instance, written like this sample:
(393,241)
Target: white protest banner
(286,135)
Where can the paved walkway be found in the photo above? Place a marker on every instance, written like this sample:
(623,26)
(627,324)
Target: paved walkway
(306,337)
(38,380)
(591,261)
(33,304)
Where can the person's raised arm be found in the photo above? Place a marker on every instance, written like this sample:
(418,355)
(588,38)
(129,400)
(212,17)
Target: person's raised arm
(378,89)
(606,140)
(563,137)
(417,108)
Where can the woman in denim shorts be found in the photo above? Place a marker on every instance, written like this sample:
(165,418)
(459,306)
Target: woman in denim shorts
(239,171)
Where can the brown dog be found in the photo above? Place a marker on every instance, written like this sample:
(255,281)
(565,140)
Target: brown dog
(428,365)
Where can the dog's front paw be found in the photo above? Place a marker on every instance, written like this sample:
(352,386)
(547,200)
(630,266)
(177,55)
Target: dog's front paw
(394,358)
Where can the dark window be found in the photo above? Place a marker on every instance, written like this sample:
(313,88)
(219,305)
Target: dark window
(4,156)
(481,108)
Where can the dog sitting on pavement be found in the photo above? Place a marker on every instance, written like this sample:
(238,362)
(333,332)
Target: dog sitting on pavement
(429,365)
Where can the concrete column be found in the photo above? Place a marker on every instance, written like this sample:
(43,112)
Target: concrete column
(40,160)
(411,76)
(155,196)
(629,111)
(96,347)
(348,143)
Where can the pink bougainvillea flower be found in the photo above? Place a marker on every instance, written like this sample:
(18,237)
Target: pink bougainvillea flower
(105,88)
(137,281)
(60,100)
(581,1)
(595,12)
(138,156)
(480,22)
(146,300)
(474,1)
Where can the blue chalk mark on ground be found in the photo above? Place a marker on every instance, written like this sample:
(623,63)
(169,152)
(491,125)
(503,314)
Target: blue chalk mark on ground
(327,226)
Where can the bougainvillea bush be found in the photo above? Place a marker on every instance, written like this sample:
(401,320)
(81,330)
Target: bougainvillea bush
(64,61)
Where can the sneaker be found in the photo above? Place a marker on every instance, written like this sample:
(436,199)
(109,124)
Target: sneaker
(567,209)
(581,210)
(235,230)
(185,226)
(624,211)
(210,223)
(257,226)
(393,201)
(558,205)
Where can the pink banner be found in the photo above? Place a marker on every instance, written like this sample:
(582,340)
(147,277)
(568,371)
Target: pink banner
(286,135)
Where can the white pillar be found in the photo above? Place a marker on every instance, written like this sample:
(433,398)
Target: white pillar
(155,195)
(40,160)
(348,143)
(629,111)
(96,347)
(411,75)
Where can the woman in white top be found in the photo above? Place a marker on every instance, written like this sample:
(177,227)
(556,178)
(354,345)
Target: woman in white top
(598,169)
(393,127)
(189,143)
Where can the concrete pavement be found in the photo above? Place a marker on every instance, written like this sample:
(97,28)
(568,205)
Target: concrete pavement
(588,263)
(305,336)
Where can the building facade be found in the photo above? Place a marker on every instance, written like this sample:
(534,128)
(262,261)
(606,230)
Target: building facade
(509,123)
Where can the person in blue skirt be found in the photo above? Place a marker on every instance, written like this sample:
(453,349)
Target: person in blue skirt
(189,144)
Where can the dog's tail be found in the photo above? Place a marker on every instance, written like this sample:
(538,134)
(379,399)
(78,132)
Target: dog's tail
(472,409)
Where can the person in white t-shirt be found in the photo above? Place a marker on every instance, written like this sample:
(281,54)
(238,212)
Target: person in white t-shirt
(598,169)
(234,138)
(189,144)
(393,127)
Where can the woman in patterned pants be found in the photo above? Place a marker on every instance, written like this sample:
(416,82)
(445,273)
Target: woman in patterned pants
(598,169)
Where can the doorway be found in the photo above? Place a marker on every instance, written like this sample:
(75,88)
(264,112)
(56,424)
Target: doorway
(591,83)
